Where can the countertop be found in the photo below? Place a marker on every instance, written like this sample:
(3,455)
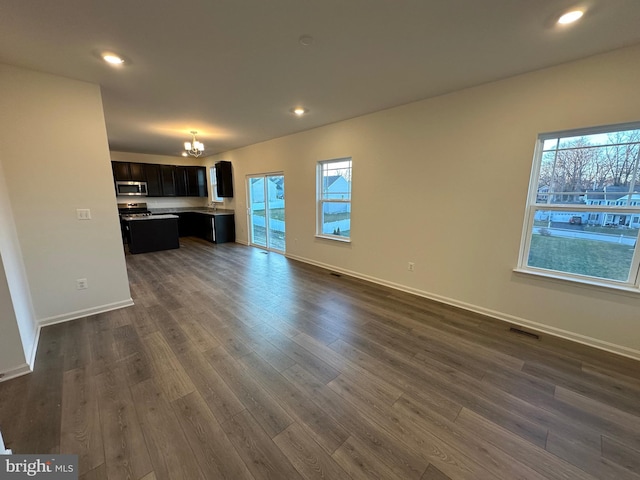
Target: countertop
(204,210)
(130,218)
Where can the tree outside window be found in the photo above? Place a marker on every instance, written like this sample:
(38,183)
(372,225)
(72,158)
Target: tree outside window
(583,205)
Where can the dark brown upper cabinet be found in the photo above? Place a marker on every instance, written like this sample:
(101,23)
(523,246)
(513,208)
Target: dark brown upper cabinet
(167,176)
(181,181)
(128,172)
(224,179)
(191,181)
(154,180)
(164,180)
(196,181)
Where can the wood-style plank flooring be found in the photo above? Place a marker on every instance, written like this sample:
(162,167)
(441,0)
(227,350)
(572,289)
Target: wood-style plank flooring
(240,364)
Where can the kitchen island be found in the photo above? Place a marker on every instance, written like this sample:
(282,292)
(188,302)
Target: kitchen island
(151,233)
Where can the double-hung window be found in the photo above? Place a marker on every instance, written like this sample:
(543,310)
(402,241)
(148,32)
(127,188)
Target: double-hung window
(583,207)
(334,199)
(214,186)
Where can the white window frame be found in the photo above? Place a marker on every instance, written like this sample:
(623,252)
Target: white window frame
(214,186)
(321,201)
(604,207)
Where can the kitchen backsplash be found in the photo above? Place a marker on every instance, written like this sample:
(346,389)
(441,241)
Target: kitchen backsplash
(166,202)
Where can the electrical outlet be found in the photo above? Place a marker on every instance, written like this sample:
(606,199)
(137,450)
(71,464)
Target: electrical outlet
(411,266)
(83,213)
(81,284)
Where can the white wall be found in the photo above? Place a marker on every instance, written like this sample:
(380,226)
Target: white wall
(12,357)
(64,166)
(18,329)
(443,183)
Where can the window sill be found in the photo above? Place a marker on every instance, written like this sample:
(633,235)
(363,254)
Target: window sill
(336,239)
(580,281)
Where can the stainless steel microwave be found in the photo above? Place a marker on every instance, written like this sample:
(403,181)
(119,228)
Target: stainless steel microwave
(131,188)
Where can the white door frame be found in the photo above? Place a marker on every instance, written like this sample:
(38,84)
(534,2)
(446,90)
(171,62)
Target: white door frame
(266,216)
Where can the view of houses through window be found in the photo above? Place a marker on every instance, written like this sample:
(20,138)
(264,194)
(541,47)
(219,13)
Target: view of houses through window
(267,211)
(334,198)
(583,212)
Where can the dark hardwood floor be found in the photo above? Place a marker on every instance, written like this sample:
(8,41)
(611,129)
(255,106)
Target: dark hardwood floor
(240,364)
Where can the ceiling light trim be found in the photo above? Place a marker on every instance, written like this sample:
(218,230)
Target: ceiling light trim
(570,17)
(306,40)
(113,59)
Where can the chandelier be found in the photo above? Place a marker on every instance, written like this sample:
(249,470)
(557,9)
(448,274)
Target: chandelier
(194,147)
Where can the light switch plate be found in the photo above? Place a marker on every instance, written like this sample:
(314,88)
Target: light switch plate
(83,214)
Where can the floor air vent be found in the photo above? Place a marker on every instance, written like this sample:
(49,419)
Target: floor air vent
(522,332)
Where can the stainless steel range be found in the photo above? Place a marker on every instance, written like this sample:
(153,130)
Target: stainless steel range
(138,209)
(143,232)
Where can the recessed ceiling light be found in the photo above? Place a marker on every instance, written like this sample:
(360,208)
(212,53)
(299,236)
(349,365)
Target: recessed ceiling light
(112,58)
(570,17)
(305,40)
(299,111)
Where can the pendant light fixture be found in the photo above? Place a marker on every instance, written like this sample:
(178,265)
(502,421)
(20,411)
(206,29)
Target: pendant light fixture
(194,147)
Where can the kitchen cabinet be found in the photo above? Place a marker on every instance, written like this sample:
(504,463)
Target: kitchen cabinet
(191,181)
(154,180)
(167,178)
(151,234)
(191,224)
(136,171)
(181,181)
(224,179)
(121,171)
(220,228)
(164,180)
(197,182)
(215,227)
(128,172)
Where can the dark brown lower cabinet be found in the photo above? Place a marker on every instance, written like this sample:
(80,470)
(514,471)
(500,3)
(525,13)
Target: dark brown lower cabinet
(151,235)
(216,228)
(191,224)
(220,229)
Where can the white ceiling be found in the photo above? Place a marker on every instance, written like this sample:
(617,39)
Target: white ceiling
(232,69)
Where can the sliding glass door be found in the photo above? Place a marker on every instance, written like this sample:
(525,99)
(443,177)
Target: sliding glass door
(266,211)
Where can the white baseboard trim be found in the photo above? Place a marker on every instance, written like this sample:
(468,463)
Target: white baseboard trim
(505,317)
(242,242)
(13,373)
(34,349)
(28,367)
(65,317)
